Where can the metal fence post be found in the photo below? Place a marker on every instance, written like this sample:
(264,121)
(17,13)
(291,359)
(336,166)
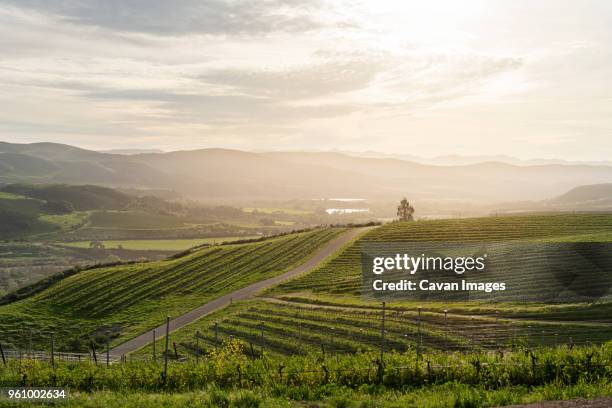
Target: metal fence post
(216,335)
(165,375)
(52,349)
(446,345)
(472,334)
(197,336)
(2,353)
(263,339)
(419,339)
(496,328)
(154,347)
(382,334)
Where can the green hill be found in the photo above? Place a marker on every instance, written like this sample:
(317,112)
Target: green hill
(324,310)
(343,274)
(125,300)
(81,198)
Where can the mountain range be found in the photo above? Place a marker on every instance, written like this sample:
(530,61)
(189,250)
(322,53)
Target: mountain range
(223,174)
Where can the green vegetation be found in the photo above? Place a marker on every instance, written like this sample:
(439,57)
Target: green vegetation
(229,376)
(133,220)
(305,325)
(66,222)
(80,198)
(342,275)
(158,244)
(126,300)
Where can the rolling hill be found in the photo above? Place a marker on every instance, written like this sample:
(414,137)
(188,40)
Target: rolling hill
(325,310)
(545,241)
(221,174)
(122,301)
(595,195)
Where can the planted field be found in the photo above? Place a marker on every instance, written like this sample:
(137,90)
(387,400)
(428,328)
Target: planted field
(535,234)
(230,377)
(297,326)
(123,301)
(158,244)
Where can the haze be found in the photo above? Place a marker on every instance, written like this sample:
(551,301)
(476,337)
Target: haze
(519,78)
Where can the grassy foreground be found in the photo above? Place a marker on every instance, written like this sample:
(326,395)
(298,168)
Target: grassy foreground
(228,377)
(437,396)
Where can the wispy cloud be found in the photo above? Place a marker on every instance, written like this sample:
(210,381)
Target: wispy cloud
(308,74)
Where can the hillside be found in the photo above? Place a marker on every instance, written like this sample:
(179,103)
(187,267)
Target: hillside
(531,236)
(594,194)
(324,310)
(222,174)
(123,301)
(80,198)
(30,209)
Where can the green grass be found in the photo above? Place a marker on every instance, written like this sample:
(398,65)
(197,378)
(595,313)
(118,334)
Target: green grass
(133,220)
(129,299)
(66,221)
(158,244)
(229,377)
(436,396)
(10,196)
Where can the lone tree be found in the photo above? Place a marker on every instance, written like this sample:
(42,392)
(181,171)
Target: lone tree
(405,211)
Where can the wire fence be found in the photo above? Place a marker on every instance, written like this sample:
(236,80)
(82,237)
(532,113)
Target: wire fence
(331,330)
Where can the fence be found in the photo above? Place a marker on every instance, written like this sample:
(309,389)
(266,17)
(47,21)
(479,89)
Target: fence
(339,330)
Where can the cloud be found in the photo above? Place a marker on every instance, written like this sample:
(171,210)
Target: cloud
(182,17)
(304,82)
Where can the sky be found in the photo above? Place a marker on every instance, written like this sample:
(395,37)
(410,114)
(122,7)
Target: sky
(529,79)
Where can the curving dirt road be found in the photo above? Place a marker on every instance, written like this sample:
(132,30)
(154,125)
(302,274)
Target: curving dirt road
(241,294)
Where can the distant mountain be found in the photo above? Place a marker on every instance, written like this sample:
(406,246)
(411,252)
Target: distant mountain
(229,175)
(460,160)
(595,194)
(130,151)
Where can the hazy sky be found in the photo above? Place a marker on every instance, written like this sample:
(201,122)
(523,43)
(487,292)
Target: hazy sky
(523,78)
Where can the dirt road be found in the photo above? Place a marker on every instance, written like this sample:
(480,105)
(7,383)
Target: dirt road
(241,294)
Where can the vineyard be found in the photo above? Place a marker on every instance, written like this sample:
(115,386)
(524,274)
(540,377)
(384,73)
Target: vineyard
(123,301)
(298,326)
(229,376)
(533,234)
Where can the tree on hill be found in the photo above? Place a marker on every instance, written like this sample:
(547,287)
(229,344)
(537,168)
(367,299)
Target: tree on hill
(405,210)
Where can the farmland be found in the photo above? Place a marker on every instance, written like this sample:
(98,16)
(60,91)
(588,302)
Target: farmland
(317,339)
(323,310)
(300,326)
(343,274)
(158,244)
(122,301)
(229,376)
